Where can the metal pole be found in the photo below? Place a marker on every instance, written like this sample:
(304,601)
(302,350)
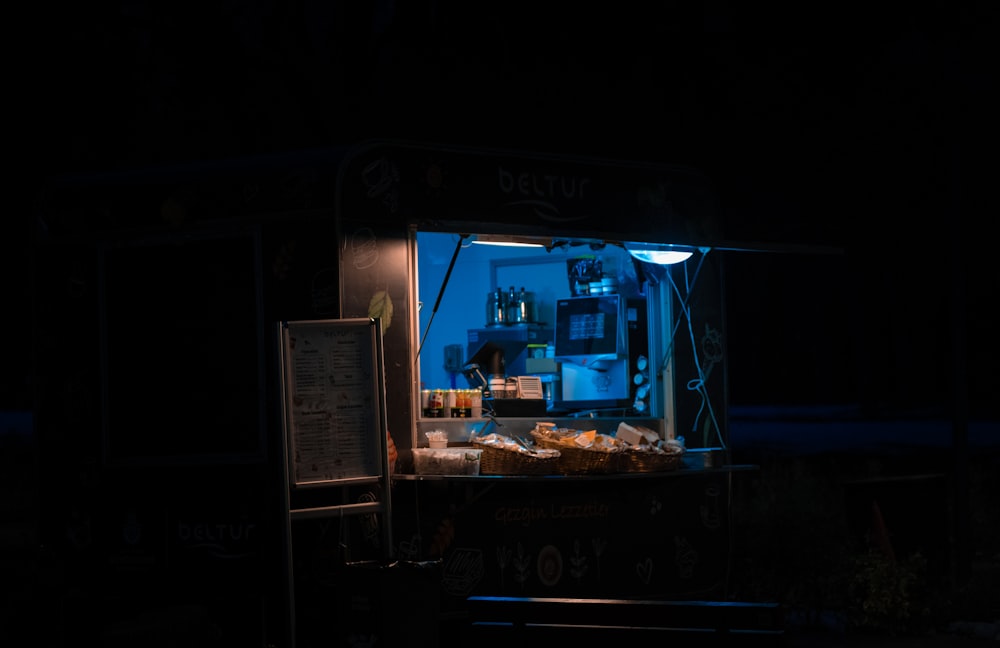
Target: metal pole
(437,302)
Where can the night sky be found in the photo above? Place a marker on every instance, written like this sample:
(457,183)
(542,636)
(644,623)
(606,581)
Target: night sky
(861,128)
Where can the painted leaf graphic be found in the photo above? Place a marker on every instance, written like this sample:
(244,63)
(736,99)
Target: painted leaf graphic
(381,306)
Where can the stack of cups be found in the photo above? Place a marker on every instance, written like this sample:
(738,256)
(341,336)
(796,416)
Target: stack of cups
(476,403)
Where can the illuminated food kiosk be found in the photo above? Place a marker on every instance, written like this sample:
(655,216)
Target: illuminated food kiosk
(317,390)
(582,295)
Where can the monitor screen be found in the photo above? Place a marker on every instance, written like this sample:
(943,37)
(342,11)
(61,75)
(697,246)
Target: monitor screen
(589,329)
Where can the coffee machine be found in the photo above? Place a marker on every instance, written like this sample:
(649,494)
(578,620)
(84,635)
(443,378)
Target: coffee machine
(597,337)
(497,357)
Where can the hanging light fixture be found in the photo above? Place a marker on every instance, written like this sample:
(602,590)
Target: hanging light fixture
(659,253)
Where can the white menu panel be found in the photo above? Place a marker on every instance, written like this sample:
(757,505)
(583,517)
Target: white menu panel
(332,386)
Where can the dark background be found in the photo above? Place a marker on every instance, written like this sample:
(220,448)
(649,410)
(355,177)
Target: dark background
(864,127)
(860,127)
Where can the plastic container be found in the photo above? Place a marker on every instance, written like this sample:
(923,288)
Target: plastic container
(437,439)
(446,461)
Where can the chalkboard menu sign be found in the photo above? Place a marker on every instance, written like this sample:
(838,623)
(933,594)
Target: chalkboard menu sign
(333,400)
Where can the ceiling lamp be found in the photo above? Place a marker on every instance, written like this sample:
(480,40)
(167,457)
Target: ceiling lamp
(659,253)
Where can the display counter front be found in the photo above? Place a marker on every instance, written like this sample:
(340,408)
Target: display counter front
(659,535)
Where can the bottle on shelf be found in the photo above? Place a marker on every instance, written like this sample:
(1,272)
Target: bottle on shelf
(511,306)
(496,308)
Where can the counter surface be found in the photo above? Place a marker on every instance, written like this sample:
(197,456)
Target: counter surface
(681,472)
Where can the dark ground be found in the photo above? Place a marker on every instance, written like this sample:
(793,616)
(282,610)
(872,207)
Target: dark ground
(807,533)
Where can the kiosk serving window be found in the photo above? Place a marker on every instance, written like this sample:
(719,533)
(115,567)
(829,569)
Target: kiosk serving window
(635,348)
(583,337)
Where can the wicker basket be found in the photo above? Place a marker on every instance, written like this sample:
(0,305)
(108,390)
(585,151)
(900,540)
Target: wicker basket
(579,461)
(500,461)
(636,461)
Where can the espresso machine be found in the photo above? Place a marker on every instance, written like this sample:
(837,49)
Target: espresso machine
(596,339)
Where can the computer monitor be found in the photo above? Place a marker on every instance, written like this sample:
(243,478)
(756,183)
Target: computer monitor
(590,330)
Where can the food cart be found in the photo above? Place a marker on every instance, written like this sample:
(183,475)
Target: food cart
(566,323)
(206,478)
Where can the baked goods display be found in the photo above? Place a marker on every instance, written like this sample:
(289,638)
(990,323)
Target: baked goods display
(631,449)
(504,455)
(645,451)
(582,452)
